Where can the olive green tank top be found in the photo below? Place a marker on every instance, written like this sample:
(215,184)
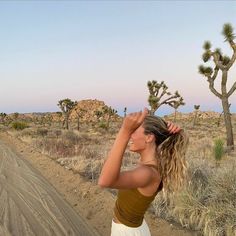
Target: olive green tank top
(131,205)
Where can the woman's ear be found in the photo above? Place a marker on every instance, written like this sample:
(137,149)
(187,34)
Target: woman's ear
(150,138)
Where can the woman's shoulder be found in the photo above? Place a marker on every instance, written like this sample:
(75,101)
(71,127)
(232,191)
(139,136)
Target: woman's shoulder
(152,168)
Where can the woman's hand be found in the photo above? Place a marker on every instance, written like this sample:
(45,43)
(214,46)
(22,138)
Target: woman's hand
(110,173)
(134,120)
(172,128)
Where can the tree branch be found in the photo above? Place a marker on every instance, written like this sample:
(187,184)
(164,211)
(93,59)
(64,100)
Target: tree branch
(211,87)
(232,60)
(165,101)
(216,70)
(232,44)
(217,62)
(231,90)
(157,91)
(162,94)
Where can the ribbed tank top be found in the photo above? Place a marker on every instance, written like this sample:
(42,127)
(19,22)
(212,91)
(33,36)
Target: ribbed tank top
(131,205)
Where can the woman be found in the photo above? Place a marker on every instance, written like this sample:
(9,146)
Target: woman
(162,150)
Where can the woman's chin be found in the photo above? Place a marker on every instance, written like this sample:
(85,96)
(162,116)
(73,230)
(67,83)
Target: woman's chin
(131,149)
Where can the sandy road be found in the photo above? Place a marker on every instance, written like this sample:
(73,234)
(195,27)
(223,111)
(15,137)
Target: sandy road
(29,205)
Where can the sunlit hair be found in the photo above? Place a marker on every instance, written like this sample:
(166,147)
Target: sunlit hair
(171,150)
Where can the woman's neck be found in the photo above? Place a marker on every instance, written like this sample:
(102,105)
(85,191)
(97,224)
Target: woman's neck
(148,156)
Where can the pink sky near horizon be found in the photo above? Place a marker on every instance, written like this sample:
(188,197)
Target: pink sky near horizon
(108,51)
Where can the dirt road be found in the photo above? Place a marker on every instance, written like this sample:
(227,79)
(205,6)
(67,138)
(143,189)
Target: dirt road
(29,205)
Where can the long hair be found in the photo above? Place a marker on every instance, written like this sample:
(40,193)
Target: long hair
(170,150)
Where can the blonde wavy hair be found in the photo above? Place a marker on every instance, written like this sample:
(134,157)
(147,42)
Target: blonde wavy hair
(170,150)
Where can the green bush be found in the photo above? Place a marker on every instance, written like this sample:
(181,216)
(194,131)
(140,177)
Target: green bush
(17,125)
(102,125)
(218,149)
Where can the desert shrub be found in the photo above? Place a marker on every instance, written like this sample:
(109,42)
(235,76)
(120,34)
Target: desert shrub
(42,132)
(161,207)
(26,132)
(70,137)
(102,125)
(129,160)
(97,140)
(90,163)
(219,212)
(18,125)
(91,153)
(56,147)
(218,149)
(85,138)
(57,132)
(206,203)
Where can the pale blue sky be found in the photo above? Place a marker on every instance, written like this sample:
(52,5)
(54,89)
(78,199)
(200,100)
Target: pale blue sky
(108,50)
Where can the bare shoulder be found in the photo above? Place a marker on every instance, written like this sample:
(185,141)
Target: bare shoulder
(152,187)
(151,168)
(140,176)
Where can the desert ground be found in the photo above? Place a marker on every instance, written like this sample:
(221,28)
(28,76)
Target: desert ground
(86,198)
(71,162)
(30,205)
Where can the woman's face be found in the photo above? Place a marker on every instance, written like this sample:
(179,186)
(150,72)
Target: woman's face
(137,140)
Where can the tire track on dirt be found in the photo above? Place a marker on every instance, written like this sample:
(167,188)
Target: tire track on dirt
(29,205)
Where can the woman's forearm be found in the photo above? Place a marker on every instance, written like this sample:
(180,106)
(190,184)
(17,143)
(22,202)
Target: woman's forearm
(111,168)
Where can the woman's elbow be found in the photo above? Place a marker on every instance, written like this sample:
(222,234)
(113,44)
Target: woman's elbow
(103,183)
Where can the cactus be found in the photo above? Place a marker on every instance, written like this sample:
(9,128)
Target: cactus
(222,63)
(219,118)
(98,114)
(125,111)
(154,98)
(196,107)
(2,117)
(109,112)
(66,105)
(80,114)
(176,104)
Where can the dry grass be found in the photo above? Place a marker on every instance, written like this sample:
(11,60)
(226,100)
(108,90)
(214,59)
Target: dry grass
(206,203)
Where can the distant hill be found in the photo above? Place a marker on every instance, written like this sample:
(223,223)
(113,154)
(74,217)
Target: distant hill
(201,115)
(90,106)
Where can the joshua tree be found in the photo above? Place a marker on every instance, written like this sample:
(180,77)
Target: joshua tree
(196,107)
(222,63)
(66,106)
(125,111)
(154,98)
(219,118)
(80,113)
(176,104)
(98,114)
(109,112)
(58,118)
(2,117)
(15,115)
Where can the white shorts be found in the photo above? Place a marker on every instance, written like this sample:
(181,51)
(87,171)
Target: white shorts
(123,230)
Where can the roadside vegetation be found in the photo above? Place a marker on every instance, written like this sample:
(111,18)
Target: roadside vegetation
(207,202)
